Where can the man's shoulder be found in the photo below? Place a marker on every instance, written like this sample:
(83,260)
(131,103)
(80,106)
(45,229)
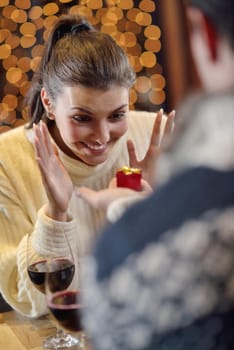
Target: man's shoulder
(186,197)
(147,274)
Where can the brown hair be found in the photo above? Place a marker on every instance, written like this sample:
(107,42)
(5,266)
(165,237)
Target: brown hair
(76,53)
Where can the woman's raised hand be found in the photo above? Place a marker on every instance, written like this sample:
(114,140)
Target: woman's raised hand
(56,180)
(149,162)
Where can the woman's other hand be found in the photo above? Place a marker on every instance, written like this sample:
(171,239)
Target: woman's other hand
(149,162)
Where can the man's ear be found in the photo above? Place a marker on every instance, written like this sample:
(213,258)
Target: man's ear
(211,37)
(47,103)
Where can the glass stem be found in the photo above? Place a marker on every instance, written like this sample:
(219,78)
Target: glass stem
(60,333)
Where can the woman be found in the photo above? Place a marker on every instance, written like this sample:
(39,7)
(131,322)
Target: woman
(78,105)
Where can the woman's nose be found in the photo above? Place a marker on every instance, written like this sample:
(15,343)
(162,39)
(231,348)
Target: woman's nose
(102,133)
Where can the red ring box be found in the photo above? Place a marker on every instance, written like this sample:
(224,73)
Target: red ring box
(129,177)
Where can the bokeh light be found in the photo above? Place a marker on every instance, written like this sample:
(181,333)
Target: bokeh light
(25,24)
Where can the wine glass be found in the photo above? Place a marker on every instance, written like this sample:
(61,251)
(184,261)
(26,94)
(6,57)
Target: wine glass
(59,269)
(36,268)
(65,304)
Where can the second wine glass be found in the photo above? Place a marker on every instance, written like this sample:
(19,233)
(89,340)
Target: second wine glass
(65,305)
(58,270)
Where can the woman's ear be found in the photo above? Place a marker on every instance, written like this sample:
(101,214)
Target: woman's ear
(211,37)
(46,101)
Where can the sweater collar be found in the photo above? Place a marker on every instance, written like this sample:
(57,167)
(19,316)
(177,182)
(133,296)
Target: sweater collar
(79,170)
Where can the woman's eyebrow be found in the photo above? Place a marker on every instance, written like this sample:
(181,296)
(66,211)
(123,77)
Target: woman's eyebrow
(123,106)
(81,109)
(86,110)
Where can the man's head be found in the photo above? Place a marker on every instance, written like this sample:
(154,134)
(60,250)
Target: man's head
(212,41)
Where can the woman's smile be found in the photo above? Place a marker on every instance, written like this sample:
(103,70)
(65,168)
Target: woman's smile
(94,148)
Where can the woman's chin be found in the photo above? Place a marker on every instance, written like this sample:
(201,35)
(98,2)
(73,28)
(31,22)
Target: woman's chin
(95,158)
(91,159)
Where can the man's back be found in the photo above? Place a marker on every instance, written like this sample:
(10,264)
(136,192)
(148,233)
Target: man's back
(167,273)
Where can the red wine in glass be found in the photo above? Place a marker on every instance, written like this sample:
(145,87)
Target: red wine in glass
(60,275)
(36,272)
(66,308)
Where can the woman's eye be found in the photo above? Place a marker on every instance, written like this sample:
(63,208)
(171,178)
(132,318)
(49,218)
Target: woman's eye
(119,115)
(81,118)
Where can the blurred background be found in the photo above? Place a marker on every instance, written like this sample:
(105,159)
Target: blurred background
(153,33)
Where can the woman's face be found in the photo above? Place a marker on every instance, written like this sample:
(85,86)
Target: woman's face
(90,121)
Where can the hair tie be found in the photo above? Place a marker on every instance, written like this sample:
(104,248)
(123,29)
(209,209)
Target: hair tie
(82,27)
(68,29)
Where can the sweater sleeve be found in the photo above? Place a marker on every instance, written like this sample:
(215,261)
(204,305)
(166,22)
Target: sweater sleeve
(15,223)
(16,287)
(46,239)
(21,197)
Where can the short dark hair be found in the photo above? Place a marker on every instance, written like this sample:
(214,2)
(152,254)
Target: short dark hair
(220,13)
(76,53)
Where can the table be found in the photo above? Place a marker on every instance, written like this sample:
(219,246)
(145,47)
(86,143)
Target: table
(21,333)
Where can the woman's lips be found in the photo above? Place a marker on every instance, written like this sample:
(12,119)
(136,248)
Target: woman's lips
(95,148)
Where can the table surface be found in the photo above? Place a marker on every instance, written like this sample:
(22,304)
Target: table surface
(21,333)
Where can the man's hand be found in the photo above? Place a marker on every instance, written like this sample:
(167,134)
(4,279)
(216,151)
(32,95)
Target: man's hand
(103,198)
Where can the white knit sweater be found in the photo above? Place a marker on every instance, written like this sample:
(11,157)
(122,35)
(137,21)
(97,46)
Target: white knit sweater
(22,198)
